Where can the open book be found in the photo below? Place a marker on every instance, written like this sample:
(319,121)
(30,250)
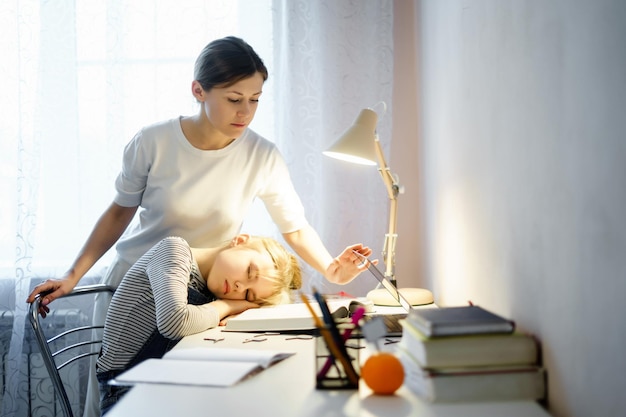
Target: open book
(217,367)
(283,317)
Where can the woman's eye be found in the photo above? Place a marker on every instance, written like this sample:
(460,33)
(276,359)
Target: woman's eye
(236,100)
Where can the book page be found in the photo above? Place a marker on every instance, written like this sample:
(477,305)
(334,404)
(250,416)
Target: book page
(260,357)
(187,372)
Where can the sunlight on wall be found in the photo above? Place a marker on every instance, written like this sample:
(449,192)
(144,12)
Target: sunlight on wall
(471,258)
(451,250)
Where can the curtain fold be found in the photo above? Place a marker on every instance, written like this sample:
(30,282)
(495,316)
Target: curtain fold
(332,59)
(19,132)
(15,400)
(80,78)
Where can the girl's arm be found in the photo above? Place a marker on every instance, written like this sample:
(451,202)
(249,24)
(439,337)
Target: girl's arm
(169,271)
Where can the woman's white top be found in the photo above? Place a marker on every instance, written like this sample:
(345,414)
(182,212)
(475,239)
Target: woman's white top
(202,196)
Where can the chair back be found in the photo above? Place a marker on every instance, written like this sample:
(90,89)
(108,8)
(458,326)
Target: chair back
(72,344)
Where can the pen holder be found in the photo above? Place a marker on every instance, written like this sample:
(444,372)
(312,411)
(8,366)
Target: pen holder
(330,371)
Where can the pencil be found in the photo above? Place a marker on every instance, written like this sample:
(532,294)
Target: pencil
(335,353)
(356,316)
(327,338)
(316,319)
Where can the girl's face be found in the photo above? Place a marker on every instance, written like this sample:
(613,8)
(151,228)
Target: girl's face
(231,109)
(235,274)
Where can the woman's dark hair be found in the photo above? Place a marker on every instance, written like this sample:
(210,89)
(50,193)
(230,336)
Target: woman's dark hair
(223,62)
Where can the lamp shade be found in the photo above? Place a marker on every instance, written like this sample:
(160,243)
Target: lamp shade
(357,143)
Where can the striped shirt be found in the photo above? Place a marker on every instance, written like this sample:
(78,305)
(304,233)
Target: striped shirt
(153,295)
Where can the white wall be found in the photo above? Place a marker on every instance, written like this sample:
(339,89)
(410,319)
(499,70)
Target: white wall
(522,146)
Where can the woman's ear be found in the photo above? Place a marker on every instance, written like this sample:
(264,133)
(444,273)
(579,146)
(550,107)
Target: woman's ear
(197,90)
(239,239)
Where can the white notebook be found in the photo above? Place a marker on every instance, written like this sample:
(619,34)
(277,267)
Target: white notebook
(217,367)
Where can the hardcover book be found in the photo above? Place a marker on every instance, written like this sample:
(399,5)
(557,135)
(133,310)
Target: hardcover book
(488,383)
(451,321)
(515,348)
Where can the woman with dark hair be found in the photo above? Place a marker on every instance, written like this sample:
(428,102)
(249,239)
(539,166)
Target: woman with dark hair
(197,176)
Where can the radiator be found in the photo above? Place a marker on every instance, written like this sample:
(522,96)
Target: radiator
(37,397)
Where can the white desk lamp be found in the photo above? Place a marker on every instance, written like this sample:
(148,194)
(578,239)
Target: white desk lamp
(360,144)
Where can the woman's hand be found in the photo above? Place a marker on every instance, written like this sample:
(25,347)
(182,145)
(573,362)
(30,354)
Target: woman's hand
(50,290)
(345,267)
(107,231)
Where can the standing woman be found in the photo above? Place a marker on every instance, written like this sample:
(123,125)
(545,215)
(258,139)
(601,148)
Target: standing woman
(197,176)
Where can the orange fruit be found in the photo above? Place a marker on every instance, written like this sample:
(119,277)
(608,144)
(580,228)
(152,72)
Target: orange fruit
(383,373)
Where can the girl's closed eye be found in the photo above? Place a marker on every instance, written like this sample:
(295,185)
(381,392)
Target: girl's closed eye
(250,276)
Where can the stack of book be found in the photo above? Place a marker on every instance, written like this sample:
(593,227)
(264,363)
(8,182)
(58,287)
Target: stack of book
(454,354)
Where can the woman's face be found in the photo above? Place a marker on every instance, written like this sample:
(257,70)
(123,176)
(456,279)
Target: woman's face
(237,274)
(231,109)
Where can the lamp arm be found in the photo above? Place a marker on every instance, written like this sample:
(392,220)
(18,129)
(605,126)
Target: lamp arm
(393,189)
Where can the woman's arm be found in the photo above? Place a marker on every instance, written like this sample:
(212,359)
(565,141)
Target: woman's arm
(105,233)
(340,270)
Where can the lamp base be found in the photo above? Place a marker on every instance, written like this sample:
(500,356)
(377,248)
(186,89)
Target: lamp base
(415,296)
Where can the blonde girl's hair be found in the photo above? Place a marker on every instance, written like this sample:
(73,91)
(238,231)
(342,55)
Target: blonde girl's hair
(286,274)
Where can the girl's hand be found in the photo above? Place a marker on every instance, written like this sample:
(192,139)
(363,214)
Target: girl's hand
(230,307)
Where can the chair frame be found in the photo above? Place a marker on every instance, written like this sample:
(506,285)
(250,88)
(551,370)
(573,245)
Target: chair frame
(48,355)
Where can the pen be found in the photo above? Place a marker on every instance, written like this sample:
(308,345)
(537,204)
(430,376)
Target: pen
(356,316)
(325,334)
(336,339)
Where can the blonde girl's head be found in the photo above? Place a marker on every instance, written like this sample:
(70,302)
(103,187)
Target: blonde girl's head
(286,275)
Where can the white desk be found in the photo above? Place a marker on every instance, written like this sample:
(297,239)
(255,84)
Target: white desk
(288,389)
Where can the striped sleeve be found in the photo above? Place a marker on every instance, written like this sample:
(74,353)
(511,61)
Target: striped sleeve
(169,271)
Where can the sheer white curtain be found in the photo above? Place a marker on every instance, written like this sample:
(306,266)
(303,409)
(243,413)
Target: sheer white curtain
(332,59)
(79,78)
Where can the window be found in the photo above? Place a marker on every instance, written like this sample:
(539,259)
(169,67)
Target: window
(80,78)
